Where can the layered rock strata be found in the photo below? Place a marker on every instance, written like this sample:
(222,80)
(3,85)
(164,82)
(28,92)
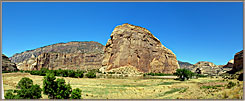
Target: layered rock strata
(71,55)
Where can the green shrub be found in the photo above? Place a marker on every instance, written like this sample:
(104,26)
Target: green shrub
(9,95)
(79,74)
(76,94)
(157,74)
(211,87)
(71,73)
(200,75)
(65,73)
(111,72)
(25,83)
(91,74)
(43,71)
(231,84)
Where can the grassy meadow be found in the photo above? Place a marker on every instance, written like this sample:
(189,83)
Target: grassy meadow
(109,88)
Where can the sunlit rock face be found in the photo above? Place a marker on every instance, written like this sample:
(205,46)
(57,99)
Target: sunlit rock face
(133,49)
(71,55)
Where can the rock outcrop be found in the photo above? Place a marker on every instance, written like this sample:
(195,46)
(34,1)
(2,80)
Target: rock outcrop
(238,61)
(74,61)
(229,64)
(72,55)
(204,67)
(7,65)
(70,47)
(136,48)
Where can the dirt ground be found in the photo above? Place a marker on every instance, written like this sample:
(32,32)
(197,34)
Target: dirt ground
(105,88)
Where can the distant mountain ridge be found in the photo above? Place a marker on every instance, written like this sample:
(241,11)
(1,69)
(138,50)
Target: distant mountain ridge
(69,47)
(184,64)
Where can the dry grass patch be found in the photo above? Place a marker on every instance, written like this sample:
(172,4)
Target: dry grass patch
(106,88)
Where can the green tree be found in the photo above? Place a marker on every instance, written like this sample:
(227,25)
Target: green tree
(76,94)
(25,83)
(63,91)
(34,92)
(49,85)
(56,89)
(27,90)
(184,74)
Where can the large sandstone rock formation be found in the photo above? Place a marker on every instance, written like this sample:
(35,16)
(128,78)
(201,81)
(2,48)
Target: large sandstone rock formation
(75,61)
(238,61)
(7,65)
(134,49)
(72,55)
(70,47)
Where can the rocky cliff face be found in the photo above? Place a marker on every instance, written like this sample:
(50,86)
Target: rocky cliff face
(134,49)
(238,61)
(70,47)
(71,55)
(7,65)
(75,61)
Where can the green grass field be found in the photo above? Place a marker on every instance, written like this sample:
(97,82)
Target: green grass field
(105,88)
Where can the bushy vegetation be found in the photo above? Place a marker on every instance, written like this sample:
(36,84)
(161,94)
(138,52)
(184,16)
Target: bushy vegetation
(240,77)
(59,89)
(76,94)
(211,87)
(200,75)
(157,74)
(231,84)
(27,90)
(91,74)
(60,72)
(8,71)
(184,74)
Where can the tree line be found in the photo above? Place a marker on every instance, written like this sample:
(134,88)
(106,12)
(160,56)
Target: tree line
(64,73)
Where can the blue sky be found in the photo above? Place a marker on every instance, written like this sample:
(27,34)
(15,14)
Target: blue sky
(199,31)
